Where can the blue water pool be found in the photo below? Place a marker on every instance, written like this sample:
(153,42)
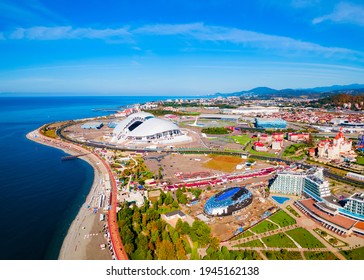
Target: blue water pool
(280,199)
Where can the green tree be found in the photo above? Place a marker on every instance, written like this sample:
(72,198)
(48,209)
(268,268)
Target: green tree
(200,232)
(225,252)
(180,250)
(186,229)
(166,250)
(168,200)
(178,226)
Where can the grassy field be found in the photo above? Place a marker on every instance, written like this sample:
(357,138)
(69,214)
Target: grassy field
(282,219)
(320,256)
(243,235)
(356,254)
(253,243)
(223,163)
(50,133)
(292,150)
(360,160)
(264,227)
(253,152)
(305,238)
(279,240)
(243,139)
(282,255)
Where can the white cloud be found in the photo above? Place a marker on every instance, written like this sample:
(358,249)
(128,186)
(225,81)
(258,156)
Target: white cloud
(247,38)
(344,13)
(68,32)
(190,31)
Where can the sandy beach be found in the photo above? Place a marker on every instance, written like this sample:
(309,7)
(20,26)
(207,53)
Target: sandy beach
(86,232)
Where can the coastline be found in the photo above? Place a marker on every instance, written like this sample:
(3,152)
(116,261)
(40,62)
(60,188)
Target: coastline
(86,232)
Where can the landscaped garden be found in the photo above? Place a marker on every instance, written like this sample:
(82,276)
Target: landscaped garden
(279,240)
(253,243)
(282,219)
(264,227)
(291,210)
(330,239)
(305,238)
(243,235)
(355,254)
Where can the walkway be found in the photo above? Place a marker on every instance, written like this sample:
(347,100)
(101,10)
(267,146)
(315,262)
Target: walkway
(112,218)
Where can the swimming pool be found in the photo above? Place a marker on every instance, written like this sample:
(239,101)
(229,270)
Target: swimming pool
(280,199)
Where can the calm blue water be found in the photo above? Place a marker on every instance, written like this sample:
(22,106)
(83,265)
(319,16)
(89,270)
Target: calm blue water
(40,195)
(280,199)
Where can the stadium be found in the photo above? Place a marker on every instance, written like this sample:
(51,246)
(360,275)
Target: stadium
(228,201)
(144,127)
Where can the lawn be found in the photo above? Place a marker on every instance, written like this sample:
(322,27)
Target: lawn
(305,238)
(279,240)
(243,139)
(356,254)
(282,219)
(291,150)
(265,154)
(320,256)
(264,227)
(360,160)
(243,235)
(253,243)
(223,163)
(50,133)
(282,255)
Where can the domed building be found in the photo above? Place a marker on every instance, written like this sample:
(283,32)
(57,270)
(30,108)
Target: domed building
(145,128)
(228,201)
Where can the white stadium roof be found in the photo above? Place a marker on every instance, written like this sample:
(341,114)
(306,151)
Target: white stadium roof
(121,125)
(153,126)
(149,126)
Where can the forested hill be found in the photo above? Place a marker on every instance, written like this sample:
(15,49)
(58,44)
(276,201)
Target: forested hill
(343,100)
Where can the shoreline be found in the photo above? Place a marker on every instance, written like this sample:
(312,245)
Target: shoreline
(86,232)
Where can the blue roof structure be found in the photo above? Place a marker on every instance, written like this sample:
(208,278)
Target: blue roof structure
(228,201)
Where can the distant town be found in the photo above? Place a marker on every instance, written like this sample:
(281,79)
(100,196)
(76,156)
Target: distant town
(221,177)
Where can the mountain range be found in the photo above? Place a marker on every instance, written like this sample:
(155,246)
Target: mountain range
(266,92)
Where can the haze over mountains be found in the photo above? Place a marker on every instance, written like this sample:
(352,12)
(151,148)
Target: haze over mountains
(310,92)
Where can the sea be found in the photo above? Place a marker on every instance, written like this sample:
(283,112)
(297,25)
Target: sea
(40,195)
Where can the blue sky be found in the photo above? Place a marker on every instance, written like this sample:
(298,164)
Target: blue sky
(178,47)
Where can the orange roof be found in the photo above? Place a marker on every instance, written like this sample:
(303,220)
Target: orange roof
(360,225)
(339,220)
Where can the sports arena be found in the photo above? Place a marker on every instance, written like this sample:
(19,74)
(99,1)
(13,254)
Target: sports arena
(228,201)
(144,127)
